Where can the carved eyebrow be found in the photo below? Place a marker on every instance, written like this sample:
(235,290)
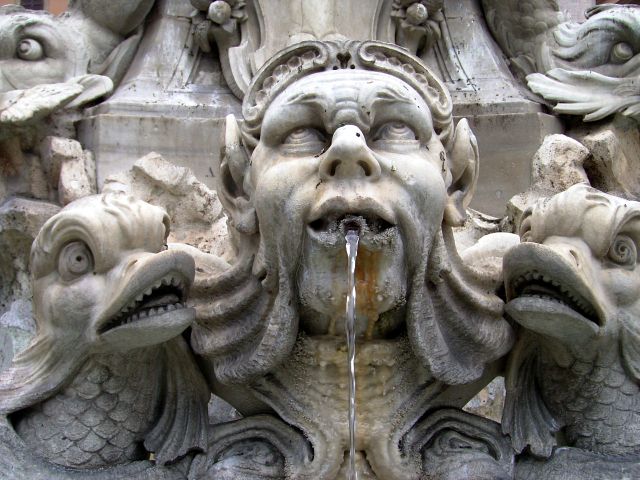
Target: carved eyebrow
(383,95)
(386,94)
(309,98)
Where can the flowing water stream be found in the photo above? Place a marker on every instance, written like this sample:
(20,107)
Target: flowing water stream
(352,239)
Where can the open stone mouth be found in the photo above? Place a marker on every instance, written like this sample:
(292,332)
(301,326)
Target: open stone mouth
(165,295)
(359,222)
(537,285)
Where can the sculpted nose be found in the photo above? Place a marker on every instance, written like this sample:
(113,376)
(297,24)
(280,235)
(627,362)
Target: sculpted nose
(349,156)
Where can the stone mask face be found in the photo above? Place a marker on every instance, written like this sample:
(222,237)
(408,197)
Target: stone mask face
(344,150)
(336,137)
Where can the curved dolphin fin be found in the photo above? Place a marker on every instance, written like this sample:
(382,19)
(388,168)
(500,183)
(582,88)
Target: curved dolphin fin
(182,426)
(38,372)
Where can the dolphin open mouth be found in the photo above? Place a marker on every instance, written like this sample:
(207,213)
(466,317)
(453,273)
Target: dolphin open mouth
(543,288)
(542,283)
(165,295)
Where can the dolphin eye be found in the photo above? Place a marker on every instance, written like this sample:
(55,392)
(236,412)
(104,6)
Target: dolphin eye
(621,52)
(74,260)
(623,251)
(30,49)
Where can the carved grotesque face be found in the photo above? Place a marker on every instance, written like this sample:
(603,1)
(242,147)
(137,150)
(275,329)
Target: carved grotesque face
(339,151)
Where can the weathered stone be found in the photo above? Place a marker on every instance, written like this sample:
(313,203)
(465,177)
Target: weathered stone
(558,164)
(573,377)
(507,143)
(489,402)
(27,179)
(16,330)
(195,210)
(613,166)
(54,151)
(333,137)
(75,181)
(185,99)
(126,319)
(584,68)
(20,221)
(292,191)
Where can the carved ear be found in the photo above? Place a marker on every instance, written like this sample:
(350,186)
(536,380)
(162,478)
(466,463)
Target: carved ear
(232,172)
(463,165)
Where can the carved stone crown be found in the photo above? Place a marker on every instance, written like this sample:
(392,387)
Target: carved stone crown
(305,58)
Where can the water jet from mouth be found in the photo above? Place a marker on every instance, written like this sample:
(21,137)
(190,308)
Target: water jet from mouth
(352,239)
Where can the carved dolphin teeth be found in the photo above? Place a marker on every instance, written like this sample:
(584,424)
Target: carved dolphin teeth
(538,285)
(166,294)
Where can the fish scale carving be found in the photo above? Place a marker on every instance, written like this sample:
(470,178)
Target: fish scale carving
(101,417)
(599,402)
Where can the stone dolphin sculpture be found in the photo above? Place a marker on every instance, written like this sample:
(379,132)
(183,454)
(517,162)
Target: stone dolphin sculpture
(107,379)
(573,286)
(588,68)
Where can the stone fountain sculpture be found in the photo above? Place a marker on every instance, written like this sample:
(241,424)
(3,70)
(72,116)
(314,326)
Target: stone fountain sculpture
(338,134)
(107,378)
(573,288)
(334,135)
(50,68)
(585,68)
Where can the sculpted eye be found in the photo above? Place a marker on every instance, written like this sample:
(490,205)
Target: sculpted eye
(30,49)
(623,251)
(621,52)
(74,260)
(394,132)
(305,140)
